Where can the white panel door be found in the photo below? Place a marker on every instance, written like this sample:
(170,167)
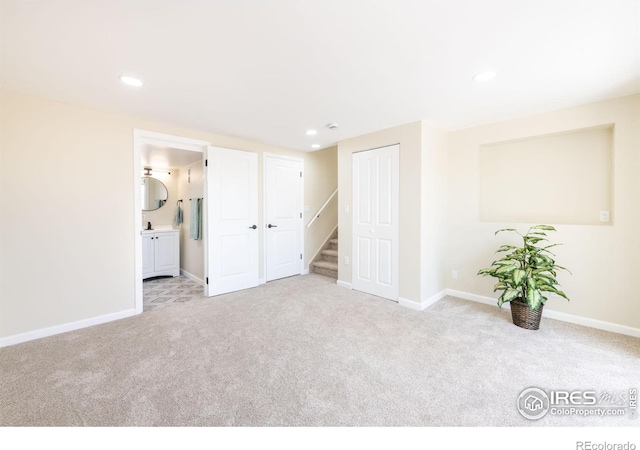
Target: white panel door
(283,217)
(232,220)
(375,222)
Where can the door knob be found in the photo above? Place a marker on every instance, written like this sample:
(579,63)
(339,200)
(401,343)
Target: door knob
(272,226)
(254,227)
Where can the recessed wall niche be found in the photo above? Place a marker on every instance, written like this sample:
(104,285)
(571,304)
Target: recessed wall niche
(560,178)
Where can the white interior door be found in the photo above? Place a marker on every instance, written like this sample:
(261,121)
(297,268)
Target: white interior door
(375,222)
(283,217)
(232,220)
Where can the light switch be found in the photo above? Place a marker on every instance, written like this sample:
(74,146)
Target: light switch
(346,209)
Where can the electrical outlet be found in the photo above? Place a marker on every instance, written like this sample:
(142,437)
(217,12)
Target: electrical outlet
(604,216)
(346,260)
(454,274)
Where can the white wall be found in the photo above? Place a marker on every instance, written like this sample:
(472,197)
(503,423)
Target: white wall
(604,259)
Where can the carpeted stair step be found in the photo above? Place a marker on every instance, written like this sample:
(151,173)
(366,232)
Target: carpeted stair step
(326,268)
(330,255)
(334,244)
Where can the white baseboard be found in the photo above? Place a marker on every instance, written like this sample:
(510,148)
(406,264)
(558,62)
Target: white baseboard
(192,277)
(475,298)
(65,327)
(343,284)
(424,304)
(305,272)
(262,281)
(578,320)
(433,299)
(593,323)
(411,304)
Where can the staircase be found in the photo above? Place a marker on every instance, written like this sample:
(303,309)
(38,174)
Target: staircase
(327,262)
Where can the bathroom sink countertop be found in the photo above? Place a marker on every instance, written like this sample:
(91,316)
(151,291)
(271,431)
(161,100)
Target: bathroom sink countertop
(159,229)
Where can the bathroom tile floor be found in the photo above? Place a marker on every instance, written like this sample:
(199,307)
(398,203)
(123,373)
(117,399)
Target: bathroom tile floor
(161,292)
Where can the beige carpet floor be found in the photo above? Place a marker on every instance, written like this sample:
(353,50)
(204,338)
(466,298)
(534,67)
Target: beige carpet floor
(302,351)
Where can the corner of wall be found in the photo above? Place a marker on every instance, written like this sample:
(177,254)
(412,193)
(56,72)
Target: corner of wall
(433,185)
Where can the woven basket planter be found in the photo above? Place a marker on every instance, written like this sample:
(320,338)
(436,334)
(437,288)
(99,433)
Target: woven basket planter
(524,317)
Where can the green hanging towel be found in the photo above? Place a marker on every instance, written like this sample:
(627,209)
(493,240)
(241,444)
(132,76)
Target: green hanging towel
(195,227)
(177,217)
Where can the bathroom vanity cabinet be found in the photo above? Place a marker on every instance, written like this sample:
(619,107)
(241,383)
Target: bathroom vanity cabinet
(160,253)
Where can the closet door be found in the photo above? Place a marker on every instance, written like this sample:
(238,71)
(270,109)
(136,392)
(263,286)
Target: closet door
(232,220)
(375,222)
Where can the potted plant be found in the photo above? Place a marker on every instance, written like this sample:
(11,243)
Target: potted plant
(525,274)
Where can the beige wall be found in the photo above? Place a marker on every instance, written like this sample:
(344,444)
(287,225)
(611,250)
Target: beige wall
(60,253)
(422,212)
(320,181)
(410,139)
(69,255)
(603,259)
(520,180)
(191,251)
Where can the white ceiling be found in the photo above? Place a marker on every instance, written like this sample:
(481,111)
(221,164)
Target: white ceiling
(167,158)
(269,70)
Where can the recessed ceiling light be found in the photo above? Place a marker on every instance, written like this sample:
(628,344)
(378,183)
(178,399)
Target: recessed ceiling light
(131,81)
(315,146)
(311,132)
(485,75)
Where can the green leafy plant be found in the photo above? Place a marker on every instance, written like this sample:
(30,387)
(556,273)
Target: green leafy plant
(526,273)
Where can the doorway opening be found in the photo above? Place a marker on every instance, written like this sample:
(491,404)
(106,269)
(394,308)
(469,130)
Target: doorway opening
(165,157)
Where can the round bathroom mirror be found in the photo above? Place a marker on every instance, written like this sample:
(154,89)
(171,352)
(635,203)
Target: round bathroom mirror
(154,194)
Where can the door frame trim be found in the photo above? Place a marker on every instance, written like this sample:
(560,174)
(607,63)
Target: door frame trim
(140,139)
(266,155)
